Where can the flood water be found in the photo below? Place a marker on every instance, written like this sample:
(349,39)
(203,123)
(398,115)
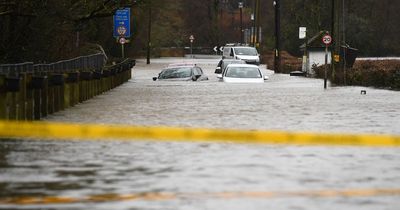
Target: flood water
(197,176)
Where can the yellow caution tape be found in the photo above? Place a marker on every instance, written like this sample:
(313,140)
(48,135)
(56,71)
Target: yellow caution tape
(53,130)
(155,196)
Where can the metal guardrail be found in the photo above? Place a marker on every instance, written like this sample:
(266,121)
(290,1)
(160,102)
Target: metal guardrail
(31,91)
(93,62)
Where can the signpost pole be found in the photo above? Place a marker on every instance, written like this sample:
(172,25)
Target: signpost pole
(123,51)
(191,38)
(191,49)
(327,40)
(326,66)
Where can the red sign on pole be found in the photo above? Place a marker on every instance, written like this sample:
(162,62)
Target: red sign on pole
(191,38)
(327,39)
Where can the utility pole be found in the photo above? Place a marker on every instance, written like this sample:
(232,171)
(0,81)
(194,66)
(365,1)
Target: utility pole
(333,52)
(277,53)
(336,29)
(258,23)
(344,42)
(149,34)
(241,22)
(254,23)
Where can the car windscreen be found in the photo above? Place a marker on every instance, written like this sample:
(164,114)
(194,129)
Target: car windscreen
(243,72)
(180,72)
(227,62)
(246,51)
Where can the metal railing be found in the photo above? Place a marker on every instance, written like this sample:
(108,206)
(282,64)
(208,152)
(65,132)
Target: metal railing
(93,62)
(31,91)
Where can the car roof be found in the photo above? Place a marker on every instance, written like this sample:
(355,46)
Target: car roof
(236,45)
(242,65)
(230,59)
(173,65)
(243,47)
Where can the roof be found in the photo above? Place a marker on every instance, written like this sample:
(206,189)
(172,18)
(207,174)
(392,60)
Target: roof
(315,41)
(244,47)
(236,45)
(242,65)
(181,65)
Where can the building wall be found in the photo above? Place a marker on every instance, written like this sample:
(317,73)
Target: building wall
(316,57)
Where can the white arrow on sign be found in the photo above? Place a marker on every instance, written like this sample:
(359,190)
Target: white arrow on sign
(221,49)
(215,49)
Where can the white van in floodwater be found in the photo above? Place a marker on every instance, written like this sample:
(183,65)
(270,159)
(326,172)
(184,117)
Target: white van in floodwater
(246,53)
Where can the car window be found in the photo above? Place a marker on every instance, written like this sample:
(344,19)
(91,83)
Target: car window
(197,71)
(246,51)
(181,72)
(243,72)
(227,62)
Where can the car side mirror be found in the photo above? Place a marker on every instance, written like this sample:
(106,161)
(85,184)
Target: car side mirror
(218,70)
(195,77)
(266,77)
(219,76)
(154,78)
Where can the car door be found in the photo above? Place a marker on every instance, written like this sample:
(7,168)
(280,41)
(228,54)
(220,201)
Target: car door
(198,72)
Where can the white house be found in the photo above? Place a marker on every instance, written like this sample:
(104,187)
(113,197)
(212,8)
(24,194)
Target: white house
(315,53)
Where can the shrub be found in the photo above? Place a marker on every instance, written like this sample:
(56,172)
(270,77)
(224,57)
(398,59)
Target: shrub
(375,73)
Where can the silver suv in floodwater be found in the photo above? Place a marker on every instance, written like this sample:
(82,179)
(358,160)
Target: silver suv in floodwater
(246,53)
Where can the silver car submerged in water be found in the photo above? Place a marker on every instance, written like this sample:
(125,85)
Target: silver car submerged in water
(181,72)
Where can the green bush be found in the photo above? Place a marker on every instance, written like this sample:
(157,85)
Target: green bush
(380,74)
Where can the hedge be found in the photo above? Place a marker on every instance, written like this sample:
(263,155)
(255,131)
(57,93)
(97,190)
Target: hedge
(373,73)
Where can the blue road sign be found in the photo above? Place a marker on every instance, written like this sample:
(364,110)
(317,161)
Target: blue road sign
(122,23)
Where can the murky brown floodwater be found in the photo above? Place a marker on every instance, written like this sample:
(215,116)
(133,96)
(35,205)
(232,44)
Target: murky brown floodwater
(194,173)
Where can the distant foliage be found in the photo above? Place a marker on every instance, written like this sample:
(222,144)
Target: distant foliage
(49,30)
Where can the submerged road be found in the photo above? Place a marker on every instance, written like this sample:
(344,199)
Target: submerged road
(37,174)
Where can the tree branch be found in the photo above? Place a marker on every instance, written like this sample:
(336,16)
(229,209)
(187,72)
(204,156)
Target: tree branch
(6,13)
(16,14)
(95,13)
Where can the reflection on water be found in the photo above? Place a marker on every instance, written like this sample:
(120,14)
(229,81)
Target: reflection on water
(82,169)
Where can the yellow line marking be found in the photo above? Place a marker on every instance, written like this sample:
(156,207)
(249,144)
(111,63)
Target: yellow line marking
(29,200)
(56,130)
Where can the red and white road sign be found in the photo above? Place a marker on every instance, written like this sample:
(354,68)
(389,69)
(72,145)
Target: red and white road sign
(122,40)
(327,39)
(191,38)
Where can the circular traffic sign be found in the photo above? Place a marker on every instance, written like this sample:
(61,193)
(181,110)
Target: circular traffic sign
(327,39)
(122,40)
(121,30)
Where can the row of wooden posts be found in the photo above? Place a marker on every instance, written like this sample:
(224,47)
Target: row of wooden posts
(29,96)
